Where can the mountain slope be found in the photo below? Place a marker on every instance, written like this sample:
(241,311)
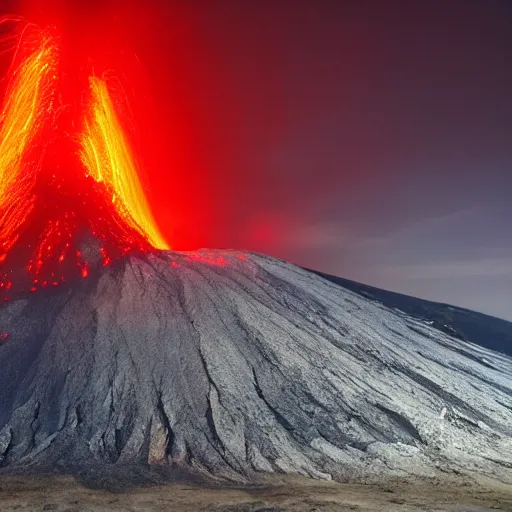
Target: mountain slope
(487,331)
(232,363)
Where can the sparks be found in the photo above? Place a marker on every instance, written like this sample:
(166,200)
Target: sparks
(27,105)
(106,154)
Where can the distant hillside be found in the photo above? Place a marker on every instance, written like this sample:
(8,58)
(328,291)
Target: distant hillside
(484,330)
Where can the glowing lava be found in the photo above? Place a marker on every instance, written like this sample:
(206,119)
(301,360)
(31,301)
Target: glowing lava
(27,107)
(107,156)
(68,201)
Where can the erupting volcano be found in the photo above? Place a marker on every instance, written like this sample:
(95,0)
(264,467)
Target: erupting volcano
(58,187)
(221,362)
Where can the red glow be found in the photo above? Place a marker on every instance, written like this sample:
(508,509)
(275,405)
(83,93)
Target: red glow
(217,261)
(202,257)
(107,260)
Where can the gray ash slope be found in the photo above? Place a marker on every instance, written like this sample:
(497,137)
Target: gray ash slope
(234,363)
(487,331)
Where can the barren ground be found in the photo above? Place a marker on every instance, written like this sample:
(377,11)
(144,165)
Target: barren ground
(65,494)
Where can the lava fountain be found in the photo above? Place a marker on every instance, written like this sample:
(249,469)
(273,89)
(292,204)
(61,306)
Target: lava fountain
(25,111)
(107,156)
(68,197)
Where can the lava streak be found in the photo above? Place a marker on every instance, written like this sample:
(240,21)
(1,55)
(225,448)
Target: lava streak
(26,109)
(106,154)
(71,198)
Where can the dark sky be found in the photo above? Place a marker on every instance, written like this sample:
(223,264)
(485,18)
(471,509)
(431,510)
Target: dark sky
(370,140)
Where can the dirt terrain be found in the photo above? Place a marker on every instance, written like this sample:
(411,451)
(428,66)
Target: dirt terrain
(65,494)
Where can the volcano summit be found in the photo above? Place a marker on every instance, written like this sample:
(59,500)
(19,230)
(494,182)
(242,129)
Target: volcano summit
(59,183)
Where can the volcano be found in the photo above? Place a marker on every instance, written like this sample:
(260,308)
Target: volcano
(118,353)
(231,363)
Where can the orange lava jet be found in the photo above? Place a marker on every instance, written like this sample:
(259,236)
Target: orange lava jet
(61,186)
(107,157)
(27,107)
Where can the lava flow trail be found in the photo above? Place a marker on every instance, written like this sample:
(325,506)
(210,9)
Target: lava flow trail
(26,110)
(71,195)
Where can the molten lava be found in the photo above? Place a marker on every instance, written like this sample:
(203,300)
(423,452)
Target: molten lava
(28,106)
(107,157)
(69,197)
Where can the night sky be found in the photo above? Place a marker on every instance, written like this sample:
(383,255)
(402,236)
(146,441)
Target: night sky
(370,140)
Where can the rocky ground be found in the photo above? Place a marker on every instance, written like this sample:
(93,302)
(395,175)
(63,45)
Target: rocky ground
(293,494)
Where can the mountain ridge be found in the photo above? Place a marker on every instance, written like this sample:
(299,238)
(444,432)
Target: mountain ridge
(467,324)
